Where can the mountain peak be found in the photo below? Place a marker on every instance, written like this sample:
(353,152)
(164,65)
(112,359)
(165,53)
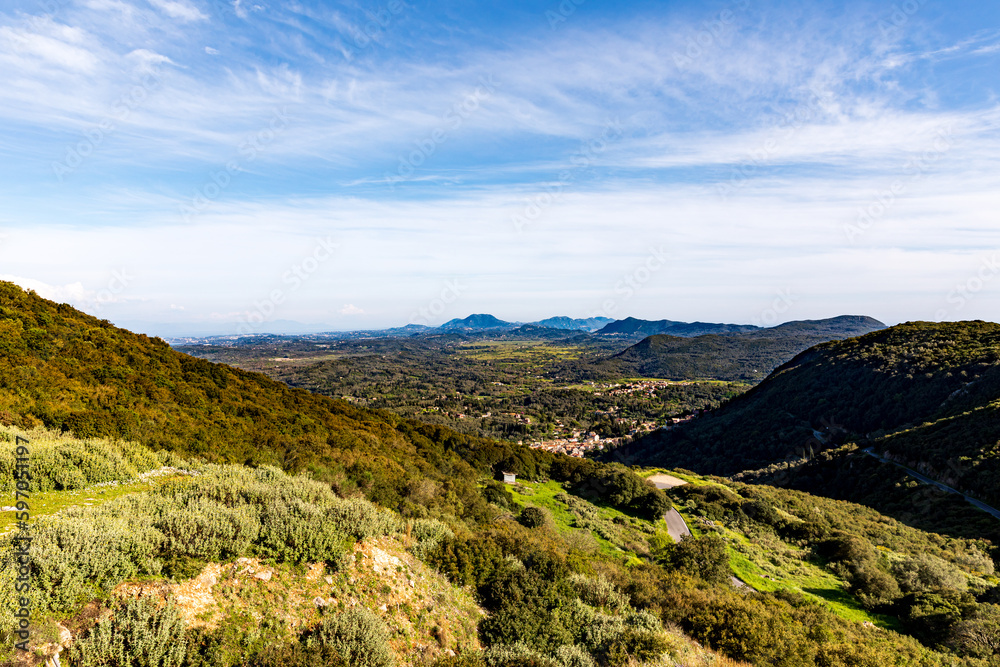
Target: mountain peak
(477,321)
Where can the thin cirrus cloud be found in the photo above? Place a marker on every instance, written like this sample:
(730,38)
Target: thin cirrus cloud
(420,138)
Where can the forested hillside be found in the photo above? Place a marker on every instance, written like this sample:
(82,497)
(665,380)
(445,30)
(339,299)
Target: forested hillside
(924,394)
(572,567)
(734,353)
(62,369)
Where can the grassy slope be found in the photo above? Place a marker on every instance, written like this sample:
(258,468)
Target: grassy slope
(767,563)
(614,533)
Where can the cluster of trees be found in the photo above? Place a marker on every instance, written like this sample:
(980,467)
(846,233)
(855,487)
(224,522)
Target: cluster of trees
(530,581)
(432,379)
(845,473)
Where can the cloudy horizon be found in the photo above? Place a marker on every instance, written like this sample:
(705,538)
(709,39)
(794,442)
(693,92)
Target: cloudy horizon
(206,165)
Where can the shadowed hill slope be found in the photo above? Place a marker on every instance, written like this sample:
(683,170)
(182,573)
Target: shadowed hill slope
(734,355)
(925,394)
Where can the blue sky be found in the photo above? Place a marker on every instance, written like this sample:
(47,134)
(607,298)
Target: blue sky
(222,166)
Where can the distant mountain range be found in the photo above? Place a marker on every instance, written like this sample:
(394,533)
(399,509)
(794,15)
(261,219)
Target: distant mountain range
(481,321)
(604,328)
(485,321)
(631,326)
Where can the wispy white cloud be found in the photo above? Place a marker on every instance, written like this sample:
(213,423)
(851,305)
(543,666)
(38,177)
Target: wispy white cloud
(42,42)
(828,114)
(990,48)
(179,9)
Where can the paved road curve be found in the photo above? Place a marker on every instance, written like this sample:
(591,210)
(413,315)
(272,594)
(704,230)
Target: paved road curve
(978,504)
(675,525)
(675,522)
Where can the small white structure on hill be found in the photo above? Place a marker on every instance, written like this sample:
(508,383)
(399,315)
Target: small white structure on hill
(509,478)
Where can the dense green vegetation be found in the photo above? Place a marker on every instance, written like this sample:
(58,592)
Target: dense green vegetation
(845,473)
(572,567)
(924,394)
(553,591)
(736,355)
(491,388)
(925,583)
(65,370)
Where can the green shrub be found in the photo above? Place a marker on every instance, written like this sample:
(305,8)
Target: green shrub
(498,494)
(532,517)
(81,552)
(599,592)
(704,557)
(60,463)
(573,656)
(357,637)
(516,655)
(208,530)
(362,519)
(139,633)
(429,533)
(925,572)
(979,635)
(299,532)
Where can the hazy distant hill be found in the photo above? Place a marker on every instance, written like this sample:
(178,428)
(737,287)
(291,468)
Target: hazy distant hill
(631,326)
(588,324)
(749,355)
(486,321)
(925,394)
(739,355)
(480,321)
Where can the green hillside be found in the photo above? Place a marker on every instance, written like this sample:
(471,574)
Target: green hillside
(140,494)
(545,578)
(736,355)
(65,370)
(924,394)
